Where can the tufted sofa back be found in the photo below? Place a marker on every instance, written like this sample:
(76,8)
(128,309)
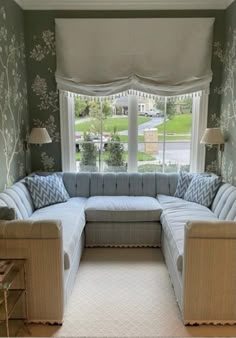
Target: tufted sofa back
(224,204)
(95,184)
(119,184)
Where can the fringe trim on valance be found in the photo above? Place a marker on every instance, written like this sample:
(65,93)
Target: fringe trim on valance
(138,94)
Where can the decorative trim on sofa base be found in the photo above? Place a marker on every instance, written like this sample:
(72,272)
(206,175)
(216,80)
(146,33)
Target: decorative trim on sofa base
(210,322)
(46,322)
(123,246)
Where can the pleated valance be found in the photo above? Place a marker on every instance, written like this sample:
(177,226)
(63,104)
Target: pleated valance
(101,57)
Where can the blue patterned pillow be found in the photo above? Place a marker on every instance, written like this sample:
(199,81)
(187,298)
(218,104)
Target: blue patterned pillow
(183,183)
(202,189)
(46,190)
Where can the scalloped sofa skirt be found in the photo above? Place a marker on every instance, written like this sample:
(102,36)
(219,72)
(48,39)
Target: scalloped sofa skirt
(126,210)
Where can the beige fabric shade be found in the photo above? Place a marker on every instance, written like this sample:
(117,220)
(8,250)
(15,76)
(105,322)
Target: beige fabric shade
(212,136)
(160,56)
(39,136)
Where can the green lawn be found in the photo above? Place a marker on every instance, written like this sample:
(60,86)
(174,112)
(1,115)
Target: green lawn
(174,138)
(141,156)
(180,124)
(124,138)
(121,123)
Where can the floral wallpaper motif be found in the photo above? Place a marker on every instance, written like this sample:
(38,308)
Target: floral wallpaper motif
(46,96)
(44,47)
(227,91)
(13,94)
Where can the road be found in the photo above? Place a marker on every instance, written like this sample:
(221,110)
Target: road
(147,125)
(178,152)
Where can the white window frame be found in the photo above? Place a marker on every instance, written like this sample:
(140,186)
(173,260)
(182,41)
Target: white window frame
(67,123)
(67,126)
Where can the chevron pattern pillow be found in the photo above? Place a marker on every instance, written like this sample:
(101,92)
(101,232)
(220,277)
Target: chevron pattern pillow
(183,183)
(202,189)
(46,190)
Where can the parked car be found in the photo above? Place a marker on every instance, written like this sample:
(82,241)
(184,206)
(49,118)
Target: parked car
(153,113)
(95,138)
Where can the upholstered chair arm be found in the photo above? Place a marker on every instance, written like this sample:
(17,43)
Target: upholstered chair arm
(209,273)
(215,229)
(28,229)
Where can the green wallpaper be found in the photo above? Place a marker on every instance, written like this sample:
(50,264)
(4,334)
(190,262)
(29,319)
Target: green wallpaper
(13,93)
(227,92)
(41,62)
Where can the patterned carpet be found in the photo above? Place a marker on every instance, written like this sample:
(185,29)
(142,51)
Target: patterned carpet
(125,293)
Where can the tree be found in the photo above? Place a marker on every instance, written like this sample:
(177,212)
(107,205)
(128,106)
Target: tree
(160,105)
(99,112)
(171,109)
(88,151)
(115,151)
(81,107)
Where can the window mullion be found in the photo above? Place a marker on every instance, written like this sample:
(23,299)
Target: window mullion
(164,137)
(199,124)
(67,124)
(132,133)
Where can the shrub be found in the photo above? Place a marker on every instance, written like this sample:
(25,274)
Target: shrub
(88,151)
(115,151)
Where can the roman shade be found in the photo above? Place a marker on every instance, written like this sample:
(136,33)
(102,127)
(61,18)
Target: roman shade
(102,57)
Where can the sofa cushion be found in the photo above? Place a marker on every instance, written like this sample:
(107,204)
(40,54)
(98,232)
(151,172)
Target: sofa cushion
(202,189)
(122,209)
(71,215)
(176,213)
(46,190)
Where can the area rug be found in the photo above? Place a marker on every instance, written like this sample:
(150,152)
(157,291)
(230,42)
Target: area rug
(125,293)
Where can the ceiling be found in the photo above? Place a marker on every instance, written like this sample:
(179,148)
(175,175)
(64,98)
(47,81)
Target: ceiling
(123,4)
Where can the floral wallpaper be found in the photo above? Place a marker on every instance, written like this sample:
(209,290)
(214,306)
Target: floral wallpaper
(46,110)
(13,94)
(41,59)
(227,92)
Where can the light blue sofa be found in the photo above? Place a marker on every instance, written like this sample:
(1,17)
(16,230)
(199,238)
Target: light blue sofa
(120,209)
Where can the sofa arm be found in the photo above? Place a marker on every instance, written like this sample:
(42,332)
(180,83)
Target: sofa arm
(40,243)
(29,229)
(214,229)
(209,273)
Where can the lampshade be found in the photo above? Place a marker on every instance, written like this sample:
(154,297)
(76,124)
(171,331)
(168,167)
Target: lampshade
(212,136)
(39,136)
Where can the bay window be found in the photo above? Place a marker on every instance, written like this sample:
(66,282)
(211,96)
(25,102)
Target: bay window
(102,138)
(158,59)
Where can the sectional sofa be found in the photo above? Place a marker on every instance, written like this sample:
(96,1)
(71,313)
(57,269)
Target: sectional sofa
(131,210)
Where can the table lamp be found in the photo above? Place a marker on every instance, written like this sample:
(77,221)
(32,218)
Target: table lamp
(37,136)
(214,136)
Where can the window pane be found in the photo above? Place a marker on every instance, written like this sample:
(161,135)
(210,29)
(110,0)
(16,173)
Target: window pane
(101,134)
(166,142)
(176,132)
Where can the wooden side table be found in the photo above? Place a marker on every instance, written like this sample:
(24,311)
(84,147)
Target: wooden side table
(10,296)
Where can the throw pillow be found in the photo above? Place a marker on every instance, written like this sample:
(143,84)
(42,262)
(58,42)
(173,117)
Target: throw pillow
(46,190)
(183,184)
(202,189)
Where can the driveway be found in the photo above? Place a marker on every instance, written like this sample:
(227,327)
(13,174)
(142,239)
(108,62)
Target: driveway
(155,121)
